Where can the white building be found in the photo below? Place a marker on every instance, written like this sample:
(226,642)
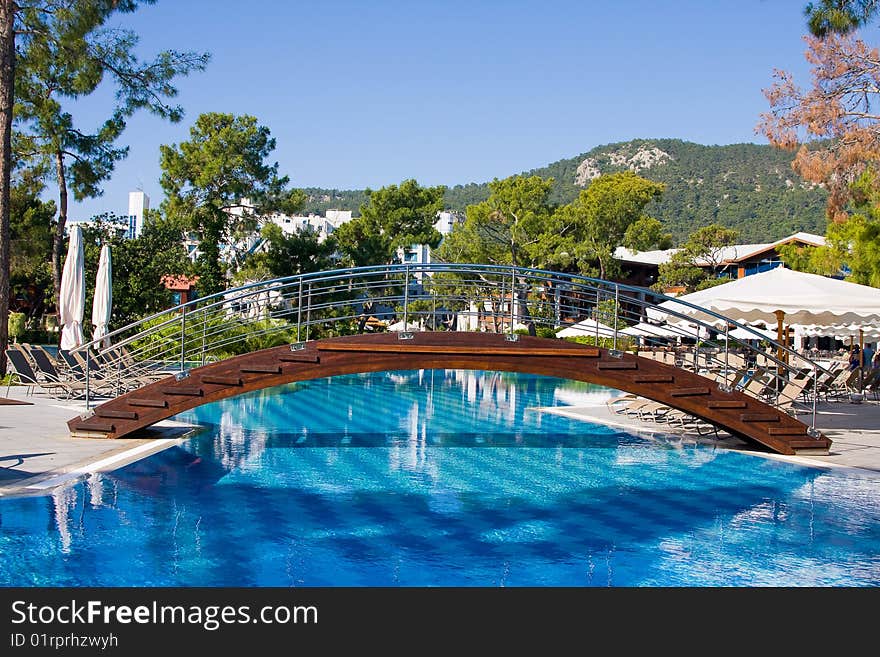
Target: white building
(323,226)
(446,221)
(138,204)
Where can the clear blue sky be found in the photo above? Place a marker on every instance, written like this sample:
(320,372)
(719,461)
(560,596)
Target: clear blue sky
(365,94)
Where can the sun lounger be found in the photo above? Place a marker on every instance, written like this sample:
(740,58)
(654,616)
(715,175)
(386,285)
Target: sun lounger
(58,388)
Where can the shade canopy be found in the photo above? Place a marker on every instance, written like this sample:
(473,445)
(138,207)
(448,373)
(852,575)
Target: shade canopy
(842,331)
(586,327)
(803,298)
(102,305)
(72,296)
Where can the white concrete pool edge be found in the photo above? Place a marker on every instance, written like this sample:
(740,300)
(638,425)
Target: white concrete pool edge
(45,482)
(643,429)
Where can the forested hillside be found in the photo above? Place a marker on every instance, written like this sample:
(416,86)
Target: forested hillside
(749,187)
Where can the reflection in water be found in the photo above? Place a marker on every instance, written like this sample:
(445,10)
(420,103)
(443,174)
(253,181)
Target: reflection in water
(440,478)
(64,502)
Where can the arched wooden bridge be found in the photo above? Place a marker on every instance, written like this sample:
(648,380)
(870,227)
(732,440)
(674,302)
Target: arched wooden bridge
(740,414)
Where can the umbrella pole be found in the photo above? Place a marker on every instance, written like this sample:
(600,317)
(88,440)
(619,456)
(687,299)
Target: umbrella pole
(780,328)
(861,357)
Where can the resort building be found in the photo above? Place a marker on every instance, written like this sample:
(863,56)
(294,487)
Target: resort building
(736,261)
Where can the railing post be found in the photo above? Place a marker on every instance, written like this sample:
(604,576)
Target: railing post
(405,298)
(512,296)
(815,396)
(204,335)
(299,307)
(616,306)
(557,299)
(87,379)
(183,339)
(118,376)
(308,310)
(726,355)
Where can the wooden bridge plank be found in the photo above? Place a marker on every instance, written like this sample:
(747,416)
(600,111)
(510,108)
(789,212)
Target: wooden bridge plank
(787,431)
(759,417)
(618,365)
(117,414)
(689,392)
(260,369)
(184,391)
(148,403)
(222,380)
(726,403)
(410,348)
(299,358)
(91,425)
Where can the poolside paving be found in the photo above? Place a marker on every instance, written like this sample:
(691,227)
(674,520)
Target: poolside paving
(37,453)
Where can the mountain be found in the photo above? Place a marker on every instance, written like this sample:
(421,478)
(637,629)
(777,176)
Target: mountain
(749,187)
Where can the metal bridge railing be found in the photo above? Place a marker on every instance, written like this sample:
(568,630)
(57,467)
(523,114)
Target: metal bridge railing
(446,296)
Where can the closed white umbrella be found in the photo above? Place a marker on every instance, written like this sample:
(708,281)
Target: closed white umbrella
(72,296)
(102,305)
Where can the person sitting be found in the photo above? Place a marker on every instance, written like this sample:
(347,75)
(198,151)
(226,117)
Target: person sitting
(854,358)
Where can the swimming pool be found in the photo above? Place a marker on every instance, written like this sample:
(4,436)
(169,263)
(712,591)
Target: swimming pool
(456,478)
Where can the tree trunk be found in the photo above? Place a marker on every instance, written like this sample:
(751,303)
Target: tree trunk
(525,313)
(58,238)
(7,99)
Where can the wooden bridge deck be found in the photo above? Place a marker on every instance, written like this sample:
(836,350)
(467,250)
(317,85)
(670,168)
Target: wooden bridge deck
(740,414)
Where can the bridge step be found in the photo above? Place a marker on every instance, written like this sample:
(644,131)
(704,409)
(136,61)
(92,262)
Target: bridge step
(654,378)
(759,417)
(721,403)
(102,427)
(184,391)
(299,358)
(810,444)
(260,369)
(148,403)
(619,365)
(112,413)
(689,392)
(222,380)
(787,431)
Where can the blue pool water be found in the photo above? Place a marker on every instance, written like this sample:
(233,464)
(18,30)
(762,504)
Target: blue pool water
(441,478)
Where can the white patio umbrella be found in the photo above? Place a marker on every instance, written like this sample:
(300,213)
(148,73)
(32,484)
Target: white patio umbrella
(672,331)
(102,305)
(754,334)
(72,296)
(779,294)
(587,327)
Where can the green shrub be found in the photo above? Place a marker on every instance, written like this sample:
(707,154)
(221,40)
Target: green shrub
(624,343)
(16,325)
